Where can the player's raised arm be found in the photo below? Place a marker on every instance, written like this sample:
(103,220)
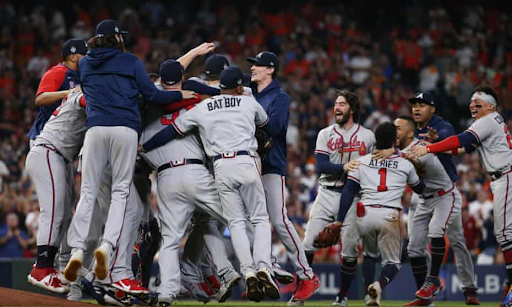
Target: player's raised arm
(202,49)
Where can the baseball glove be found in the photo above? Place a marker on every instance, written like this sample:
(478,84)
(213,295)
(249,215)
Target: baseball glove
(264,142)
(329,236)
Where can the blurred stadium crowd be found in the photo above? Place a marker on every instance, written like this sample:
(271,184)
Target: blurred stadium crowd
(384,56)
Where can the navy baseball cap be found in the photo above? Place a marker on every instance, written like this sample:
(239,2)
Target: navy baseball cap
(231,77)
(108,27)
(215,64)
(423,97)
(265,58)
(74,46)
(171,72)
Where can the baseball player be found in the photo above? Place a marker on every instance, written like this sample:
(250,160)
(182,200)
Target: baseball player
(276,102)
(432,128)
(435,213)
(111,82)
(381,184)
(236,174)
(337,149)
(49,167)
(56,83)
(489,134)
(172,196)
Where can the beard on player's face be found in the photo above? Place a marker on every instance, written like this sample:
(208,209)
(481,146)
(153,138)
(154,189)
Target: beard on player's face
(342,118)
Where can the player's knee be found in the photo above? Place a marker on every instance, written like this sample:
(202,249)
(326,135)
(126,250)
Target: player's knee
(415,251)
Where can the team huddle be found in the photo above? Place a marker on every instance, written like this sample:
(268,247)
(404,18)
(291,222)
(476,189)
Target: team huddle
(101,108)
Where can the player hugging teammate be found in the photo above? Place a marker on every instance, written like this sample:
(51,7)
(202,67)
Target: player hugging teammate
(199,138)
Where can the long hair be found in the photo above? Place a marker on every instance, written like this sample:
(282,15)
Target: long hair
(105,42)
(353,102)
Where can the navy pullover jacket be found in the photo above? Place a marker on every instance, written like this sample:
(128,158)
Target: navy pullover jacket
(111,82)
(276,103)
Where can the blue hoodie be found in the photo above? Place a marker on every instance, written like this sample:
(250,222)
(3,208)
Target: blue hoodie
(111,82)
(276,103)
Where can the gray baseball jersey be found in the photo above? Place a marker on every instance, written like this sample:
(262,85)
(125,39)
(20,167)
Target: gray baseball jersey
(494,142)
(383,182)
(226,123)
(342,146)
(65,129)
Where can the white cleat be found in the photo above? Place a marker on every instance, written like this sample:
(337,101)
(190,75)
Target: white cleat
(74,265)
(374,291)
(227,283)
(341,301)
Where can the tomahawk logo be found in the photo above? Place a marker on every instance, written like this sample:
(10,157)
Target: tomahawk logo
(419,96)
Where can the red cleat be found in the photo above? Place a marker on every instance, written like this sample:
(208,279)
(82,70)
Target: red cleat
(207,289)
(48,279)
(430,288)
(420,302)
(471,298)
(306,288)
(130,286)
(213,282)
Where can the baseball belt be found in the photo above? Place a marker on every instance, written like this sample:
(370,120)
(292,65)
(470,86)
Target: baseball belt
(177,164)
(333,188)
(52,148)
(439,193)
(383,206)
(233,155)
(498,175)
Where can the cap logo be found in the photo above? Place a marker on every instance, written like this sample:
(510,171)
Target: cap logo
(72,49)
(239,81)
(420,96)
(271,63)
(116,29)
(225,66)
(86,44)
(259,55)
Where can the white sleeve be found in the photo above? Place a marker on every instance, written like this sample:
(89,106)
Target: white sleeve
(482,128)
(355,175)
(261,118)
(321,143)
(371,143)
(188,120)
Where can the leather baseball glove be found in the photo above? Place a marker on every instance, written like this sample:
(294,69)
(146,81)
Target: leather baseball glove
(329,236)
(264,142)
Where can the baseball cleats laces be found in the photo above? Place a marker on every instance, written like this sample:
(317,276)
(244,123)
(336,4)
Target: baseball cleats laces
(102,256)
(130,286)
(374,291)
(196,290)
(254,292)
(305,289)
(268,283)
(74,265)
(227,284)
(430,288)
(282,276)
(48,279)
(420,302)
(340,301)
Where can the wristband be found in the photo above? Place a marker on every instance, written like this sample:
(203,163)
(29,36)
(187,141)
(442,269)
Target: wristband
(428,149)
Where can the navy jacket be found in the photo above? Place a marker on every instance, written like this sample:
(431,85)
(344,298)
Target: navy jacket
(111,82)
(444,129)
(276,103)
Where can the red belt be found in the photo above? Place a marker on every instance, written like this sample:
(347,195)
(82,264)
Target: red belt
(383,206)
(439,193)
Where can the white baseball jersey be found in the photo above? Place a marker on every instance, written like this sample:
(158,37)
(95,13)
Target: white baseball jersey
(342,146)
(226,123)
(494,142)
(65,129)
(186,147)
(436,177)
(383,183)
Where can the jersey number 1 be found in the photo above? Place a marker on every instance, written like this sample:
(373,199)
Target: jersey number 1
(382,187)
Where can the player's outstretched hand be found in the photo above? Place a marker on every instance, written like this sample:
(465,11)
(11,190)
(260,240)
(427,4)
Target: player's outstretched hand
(351,166)
(205,48)
(382,154)
(419,150)
(188,94)
(431,134)
(329,236)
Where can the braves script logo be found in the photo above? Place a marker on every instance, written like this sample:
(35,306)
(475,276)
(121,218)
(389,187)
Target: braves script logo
(339,145)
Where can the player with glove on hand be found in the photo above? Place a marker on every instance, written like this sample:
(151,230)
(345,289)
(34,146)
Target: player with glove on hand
(381,184)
